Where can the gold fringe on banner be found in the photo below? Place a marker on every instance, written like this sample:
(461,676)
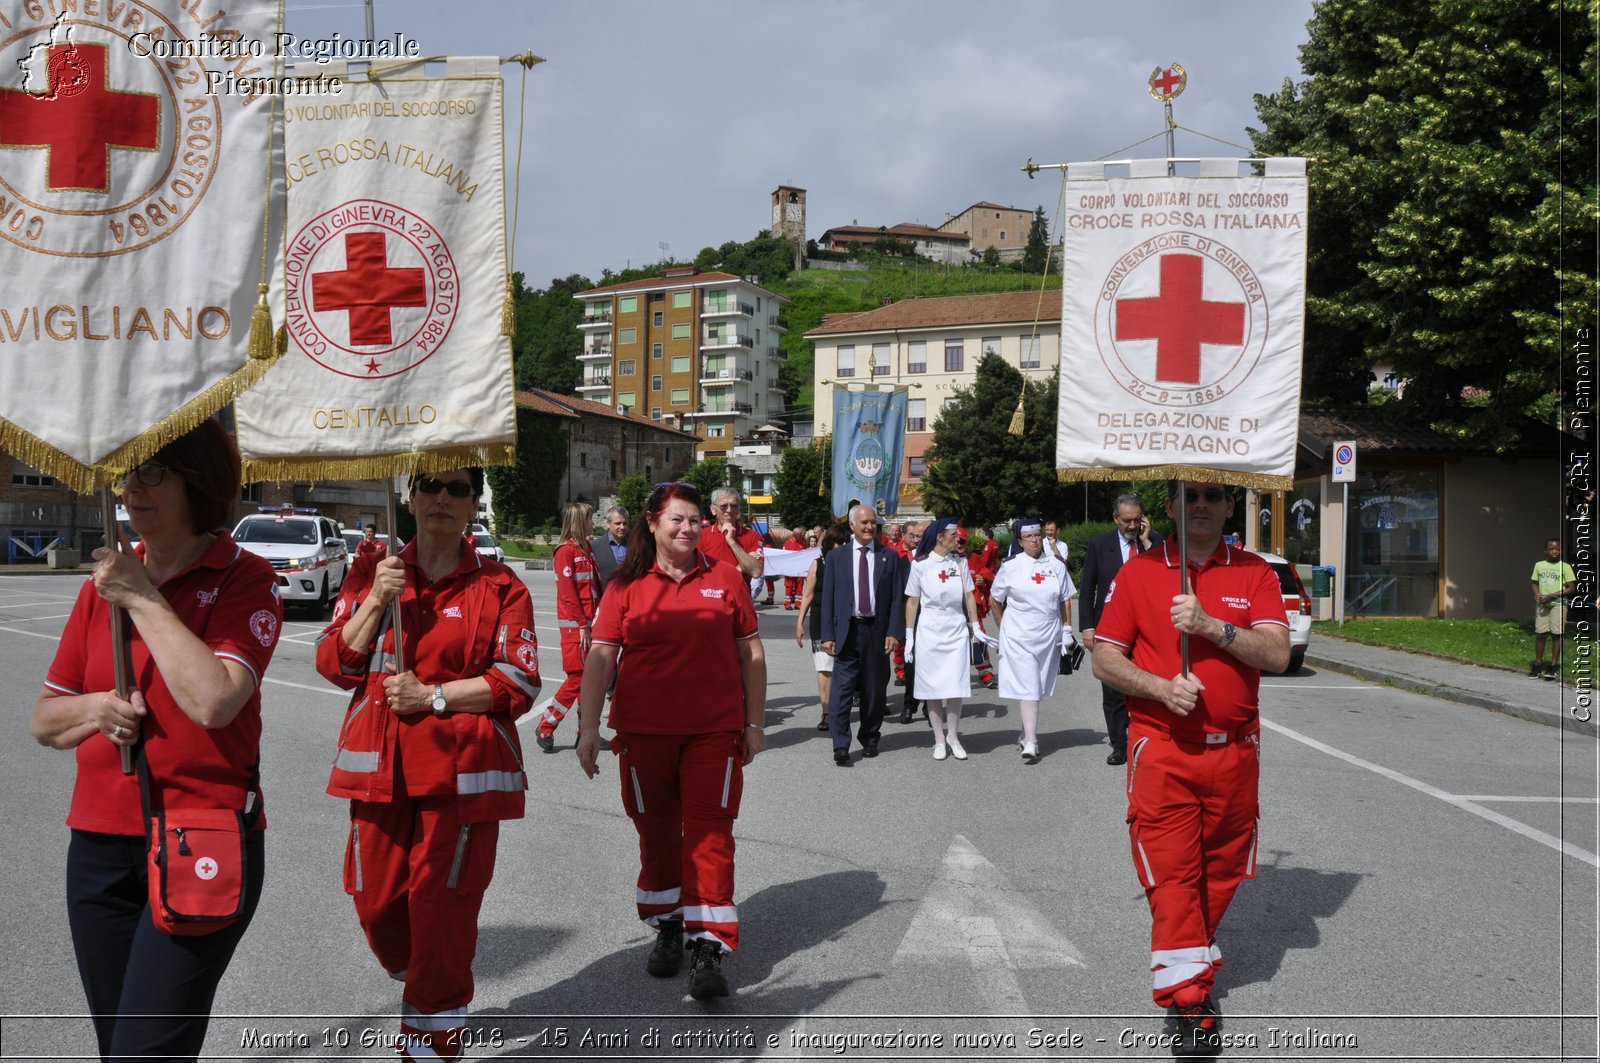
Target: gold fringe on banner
(376,466)
(1193,473)
(109,470)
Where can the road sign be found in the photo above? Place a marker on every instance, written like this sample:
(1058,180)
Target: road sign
(1344,462)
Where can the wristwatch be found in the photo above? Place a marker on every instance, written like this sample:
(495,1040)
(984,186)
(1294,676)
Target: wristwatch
(438,697)
(1229,633)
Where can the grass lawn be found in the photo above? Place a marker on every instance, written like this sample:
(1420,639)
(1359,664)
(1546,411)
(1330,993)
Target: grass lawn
(1492,643)
(523,550)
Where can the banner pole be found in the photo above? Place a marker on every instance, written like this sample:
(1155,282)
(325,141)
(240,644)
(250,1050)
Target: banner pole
(394,606)
(121,652)
(1183,570)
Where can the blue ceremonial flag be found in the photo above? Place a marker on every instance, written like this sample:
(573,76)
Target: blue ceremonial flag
(869,433)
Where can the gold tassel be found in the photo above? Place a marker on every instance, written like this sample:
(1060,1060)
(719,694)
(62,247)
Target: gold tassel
(1017,419)
(508,310)
(262,345)
(822,489)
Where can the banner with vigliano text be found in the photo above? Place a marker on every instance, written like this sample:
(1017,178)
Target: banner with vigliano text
(134,179)
(393,277)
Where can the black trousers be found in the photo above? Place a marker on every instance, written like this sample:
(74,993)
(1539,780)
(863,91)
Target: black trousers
(128,967)
(1115,707)
(859,666)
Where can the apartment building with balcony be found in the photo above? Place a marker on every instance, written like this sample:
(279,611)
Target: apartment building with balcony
(695,350)
(932,346)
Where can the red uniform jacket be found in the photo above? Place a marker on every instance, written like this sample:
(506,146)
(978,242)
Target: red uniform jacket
(575,584)
(477,621)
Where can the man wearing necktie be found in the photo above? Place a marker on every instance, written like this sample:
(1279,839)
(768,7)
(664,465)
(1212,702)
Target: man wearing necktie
(863,624)
(1106,555)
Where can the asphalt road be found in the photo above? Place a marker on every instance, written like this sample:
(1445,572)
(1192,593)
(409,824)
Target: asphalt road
(1427,889)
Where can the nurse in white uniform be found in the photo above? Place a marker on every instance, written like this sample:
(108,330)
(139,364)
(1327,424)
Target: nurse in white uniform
(940,625)
(1031,597)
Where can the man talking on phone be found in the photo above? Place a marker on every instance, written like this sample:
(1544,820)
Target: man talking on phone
(1107,554)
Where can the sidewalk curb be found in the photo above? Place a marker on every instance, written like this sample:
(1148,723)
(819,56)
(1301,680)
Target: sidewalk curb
(1456,694)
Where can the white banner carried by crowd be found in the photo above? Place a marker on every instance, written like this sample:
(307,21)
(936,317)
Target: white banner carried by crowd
(391,282)
(1183,314)
(131,242)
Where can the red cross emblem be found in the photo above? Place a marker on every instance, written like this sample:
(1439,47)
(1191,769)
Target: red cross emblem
(79,119)
(368,288)
(206,868)
(944,576)
(1180,319)
(1037,577)
(1167,83)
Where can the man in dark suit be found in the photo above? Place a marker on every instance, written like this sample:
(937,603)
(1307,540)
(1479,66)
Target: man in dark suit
(863,624)
(609,547)
(1106,555)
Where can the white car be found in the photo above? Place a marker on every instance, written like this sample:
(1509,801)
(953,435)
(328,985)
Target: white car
(486,546)
(306,550)
(1297,603)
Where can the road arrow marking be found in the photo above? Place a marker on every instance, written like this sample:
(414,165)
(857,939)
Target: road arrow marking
(971,913)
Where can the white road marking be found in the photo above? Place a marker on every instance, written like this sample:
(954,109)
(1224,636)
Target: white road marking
(331,691)
(1466,804)
(970,912)
(1531,800)
(1363,688)
(32,634)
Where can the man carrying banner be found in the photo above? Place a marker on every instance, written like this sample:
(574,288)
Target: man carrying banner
(1194,740)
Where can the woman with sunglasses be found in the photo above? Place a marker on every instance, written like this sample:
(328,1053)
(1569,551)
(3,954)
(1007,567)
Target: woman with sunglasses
(428,752)
(688,711)
(941,626)
(204,623)
(1032,600)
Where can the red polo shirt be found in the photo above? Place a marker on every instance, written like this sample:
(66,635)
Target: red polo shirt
(714,546)
(1235,586)
(229,598)
(679,672)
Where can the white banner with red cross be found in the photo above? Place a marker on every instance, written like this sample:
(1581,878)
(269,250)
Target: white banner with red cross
(132,202)
(1183,312)
(393,275)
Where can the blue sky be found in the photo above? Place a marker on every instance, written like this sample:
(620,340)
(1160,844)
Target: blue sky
(671,121)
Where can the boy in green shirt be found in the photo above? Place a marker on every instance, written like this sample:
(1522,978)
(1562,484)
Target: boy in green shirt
(1552,580)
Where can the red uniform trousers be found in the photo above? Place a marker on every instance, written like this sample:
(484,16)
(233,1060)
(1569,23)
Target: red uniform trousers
(1192,811)
(418,875)
(793,589)
(682,793)
(567,696)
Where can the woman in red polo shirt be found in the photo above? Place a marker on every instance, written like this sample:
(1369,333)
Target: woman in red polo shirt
(205,619)
(429,755)
(687,723)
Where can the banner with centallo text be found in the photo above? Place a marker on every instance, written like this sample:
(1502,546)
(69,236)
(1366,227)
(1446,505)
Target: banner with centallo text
(393,279)
(1183,313)
(869,431)
(134,181)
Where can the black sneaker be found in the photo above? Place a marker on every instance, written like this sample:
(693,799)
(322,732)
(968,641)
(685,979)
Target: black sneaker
(666,958)
(1534,670)
(1549,672)
(546,742)
(705,971)
(1198,1028)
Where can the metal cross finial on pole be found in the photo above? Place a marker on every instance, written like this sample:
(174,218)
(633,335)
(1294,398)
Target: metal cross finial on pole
(1165,85)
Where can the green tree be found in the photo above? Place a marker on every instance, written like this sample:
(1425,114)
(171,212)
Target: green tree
(527,494)
(801,472)
(1453,206)
(991,258)
(985,474)
(545,347)
(630,493)
(708,475)
(1037,254)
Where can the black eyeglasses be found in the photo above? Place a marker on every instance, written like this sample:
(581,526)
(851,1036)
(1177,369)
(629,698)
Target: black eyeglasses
(149,473)
(429,486)
(1213,495)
